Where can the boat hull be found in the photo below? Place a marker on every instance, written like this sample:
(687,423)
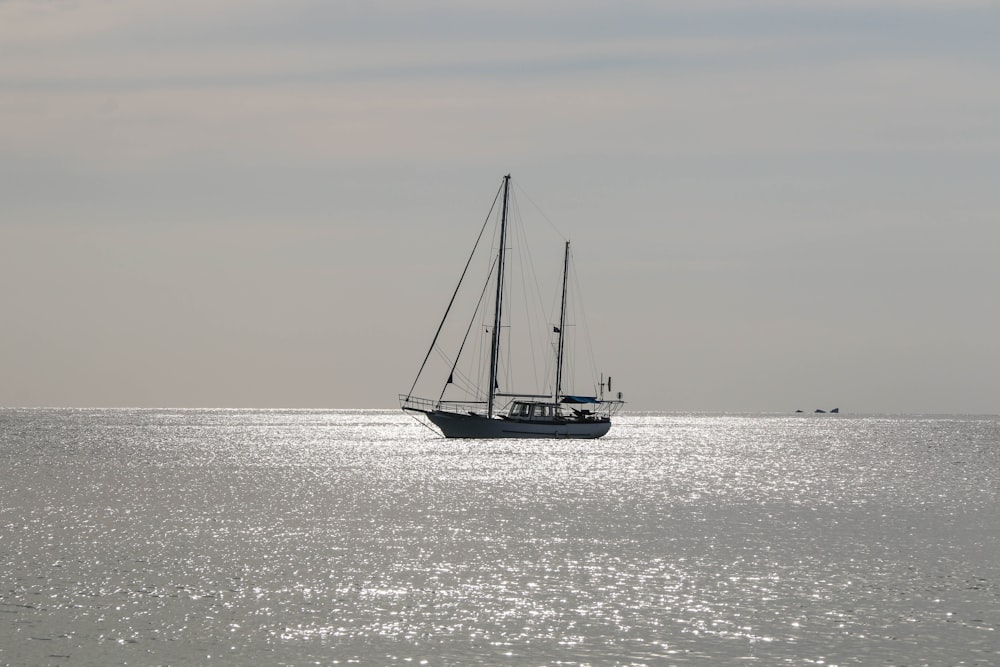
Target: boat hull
(456,425)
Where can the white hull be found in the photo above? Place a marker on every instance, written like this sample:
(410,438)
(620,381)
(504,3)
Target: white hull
(456,425)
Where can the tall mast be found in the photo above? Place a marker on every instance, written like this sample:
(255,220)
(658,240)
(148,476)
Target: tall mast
(562,327)
(498,309)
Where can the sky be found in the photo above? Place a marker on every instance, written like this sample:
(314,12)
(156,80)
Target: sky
(774,205)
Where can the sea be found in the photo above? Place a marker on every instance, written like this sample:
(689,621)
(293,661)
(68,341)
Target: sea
(333,537)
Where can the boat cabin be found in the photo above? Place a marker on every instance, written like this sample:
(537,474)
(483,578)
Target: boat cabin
(531,411)
(535,411)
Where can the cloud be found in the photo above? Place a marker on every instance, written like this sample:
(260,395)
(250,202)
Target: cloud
(256,106)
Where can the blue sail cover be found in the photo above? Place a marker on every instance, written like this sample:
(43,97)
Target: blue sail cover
(580,399)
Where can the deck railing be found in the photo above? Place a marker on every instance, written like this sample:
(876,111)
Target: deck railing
(417,404)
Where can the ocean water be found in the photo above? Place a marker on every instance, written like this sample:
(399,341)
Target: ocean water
(233,537)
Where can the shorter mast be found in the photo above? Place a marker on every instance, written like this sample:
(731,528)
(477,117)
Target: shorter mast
(562,327)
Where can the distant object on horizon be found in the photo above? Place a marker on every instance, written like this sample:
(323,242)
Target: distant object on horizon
(818,411)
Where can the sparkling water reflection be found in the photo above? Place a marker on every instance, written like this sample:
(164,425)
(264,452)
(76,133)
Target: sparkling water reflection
(295,537)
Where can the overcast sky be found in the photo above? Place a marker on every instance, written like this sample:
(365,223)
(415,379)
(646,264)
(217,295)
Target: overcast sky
(263,203)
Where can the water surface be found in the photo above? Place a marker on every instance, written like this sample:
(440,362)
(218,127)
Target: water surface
(332,537)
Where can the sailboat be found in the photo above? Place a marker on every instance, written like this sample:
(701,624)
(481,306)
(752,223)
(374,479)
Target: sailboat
(489,410)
